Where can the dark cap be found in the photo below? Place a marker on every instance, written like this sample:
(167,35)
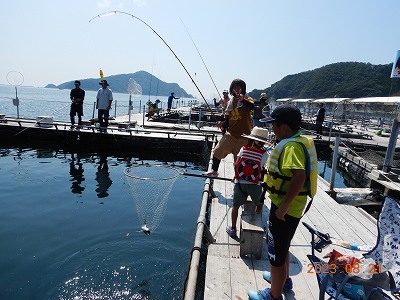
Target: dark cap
(284,114)
(225,92)
(104,81)
(77,82)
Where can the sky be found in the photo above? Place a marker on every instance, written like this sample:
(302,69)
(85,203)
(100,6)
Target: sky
(259,41)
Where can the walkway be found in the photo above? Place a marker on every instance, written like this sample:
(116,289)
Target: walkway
(228,276)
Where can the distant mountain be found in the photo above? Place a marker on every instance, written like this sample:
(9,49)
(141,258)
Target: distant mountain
(119,84)
(344,80)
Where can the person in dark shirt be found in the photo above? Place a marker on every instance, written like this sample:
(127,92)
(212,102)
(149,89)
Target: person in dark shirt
(170,98)
(259,107)
(320,119)
(77,96)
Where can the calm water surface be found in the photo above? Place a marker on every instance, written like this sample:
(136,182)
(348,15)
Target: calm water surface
(70,231)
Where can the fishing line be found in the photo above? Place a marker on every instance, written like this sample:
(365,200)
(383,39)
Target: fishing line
(53,112)
(151,77)
(201,58)
(158,82)
(110,13)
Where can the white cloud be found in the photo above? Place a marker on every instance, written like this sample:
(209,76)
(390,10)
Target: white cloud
(104,4)
(140,3)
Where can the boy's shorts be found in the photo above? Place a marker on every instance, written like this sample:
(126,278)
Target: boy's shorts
(242,190)
(279,236)
(229,144)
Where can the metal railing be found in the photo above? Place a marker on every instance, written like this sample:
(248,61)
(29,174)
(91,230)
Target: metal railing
(202,229)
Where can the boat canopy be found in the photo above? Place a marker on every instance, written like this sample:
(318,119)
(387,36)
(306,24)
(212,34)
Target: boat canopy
(283,100)
(331,100)
(302,100)
(380,100)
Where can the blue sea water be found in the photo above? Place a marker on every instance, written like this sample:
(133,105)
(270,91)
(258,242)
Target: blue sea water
(69,229)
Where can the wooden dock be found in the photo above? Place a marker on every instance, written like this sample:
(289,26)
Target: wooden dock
(229,276)
(144,138)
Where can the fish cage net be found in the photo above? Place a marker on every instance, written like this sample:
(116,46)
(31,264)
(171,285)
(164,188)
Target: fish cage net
(150,186)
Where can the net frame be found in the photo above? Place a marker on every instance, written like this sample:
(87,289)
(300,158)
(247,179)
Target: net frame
(16,78)
(150,186)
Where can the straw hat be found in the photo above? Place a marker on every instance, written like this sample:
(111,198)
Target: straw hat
(258,134)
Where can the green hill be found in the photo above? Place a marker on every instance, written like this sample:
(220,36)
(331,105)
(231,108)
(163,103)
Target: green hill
(119,84)
(344,79)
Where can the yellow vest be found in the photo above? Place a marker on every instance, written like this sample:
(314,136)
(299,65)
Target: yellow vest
(277,183)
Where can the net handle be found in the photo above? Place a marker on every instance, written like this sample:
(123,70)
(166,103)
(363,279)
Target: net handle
(126,172)
(206,176)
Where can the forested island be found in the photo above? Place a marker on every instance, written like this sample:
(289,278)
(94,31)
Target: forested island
(344,80)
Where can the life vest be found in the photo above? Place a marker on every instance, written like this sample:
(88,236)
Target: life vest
(151,107)
(249,167)
(277,183)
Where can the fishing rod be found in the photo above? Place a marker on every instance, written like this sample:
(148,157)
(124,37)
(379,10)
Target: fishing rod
(110,13)
(201,59)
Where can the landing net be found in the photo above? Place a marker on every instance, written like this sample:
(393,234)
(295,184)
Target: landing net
(15,78)
(134,88)
(150,186)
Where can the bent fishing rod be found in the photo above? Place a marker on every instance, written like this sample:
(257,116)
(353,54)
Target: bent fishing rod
(114,12)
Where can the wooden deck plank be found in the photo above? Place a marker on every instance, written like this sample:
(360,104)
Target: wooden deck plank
(228,276)
(346,221)
(224,246)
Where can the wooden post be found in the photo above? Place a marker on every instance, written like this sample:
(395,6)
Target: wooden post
(334,166)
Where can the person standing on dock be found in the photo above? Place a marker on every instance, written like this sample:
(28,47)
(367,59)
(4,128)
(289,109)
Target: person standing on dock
(103,104)
(77,95)
(170,98)
(292,171)
(223,102)
(258,110)
(237,122)
(320,119)
(249,167)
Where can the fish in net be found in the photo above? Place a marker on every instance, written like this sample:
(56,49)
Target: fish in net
(150,186)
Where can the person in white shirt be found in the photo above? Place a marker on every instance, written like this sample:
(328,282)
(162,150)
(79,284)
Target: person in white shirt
(103,104)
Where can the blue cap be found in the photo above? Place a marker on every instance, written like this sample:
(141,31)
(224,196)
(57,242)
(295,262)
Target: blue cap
(284,114)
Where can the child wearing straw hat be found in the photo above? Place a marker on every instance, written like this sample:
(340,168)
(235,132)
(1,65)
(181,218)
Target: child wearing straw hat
(248,169)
